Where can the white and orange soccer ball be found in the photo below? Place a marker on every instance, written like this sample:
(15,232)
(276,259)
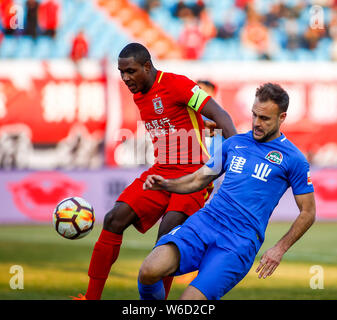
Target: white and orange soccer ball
(73,218)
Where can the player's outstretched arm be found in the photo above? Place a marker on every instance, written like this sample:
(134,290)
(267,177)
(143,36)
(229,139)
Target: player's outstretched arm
(185,184)
(272,257)
(223,120)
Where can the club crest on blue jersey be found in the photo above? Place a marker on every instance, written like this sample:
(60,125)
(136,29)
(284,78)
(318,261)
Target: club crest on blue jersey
(158,105)
(274,157)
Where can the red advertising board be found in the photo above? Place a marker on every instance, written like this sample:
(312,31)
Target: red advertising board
(52,112)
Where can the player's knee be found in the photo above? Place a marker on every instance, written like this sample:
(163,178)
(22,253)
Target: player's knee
(119,218)
(148,274)
(112,223)
(170,221)
(161,262)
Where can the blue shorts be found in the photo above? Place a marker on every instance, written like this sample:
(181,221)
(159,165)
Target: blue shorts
(223,258)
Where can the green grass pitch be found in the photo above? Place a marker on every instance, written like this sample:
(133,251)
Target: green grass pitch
(56,268)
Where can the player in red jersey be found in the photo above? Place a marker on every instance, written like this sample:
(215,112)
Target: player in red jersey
(170,106)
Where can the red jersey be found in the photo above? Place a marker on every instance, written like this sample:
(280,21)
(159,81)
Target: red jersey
(171,113)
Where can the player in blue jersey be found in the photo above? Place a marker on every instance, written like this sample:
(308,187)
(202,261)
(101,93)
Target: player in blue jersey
(222,239)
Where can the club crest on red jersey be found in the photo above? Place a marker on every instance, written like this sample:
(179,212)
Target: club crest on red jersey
(158,105)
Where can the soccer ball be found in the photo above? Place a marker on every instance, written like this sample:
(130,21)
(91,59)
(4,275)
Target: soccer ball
(73,218)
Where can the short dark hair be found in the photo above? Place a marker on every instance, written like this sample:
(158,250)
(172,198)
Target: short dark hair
(207,83)
(137,51)
(275,93)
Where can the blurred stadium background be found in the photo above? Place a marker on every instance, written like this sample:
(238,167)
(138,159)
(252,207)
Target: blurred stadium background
(68,126)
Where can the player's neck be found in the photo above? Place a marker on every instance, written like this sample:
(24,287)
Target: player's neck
(152,80)
(274,136)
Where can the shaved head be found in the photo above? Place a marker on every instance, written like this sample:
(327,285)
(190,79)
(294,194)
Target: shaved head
(137,51)
(136,68)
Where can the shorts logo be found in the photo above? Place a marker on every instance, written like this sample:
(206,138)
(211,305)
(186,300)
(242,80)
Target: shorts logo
(158,105)
(174,231)
(274,157)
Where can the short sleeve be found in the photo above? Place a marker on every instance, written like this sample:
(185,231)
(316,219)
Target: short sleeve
(188,93)
(299,176)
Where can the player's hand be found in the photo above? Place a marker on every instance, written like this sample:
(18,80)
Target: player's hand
(154,182)
(269,262)
(210,125)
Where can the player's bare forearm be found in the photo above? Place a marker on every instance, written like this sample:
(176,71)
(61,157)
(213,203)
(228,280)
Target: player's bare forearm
(185,184)
(302,223)
(273,256)
(223,120)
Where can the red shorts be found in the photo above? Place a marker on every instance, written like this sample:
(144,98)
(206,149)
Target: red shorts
(151,205)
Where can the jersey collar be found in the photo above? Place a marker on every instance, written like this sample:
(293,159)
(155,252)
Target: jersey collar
(281,138)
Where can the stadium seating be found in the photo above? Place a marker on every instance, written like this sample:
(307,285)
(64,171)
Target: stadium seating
(104,36)
(109,28)
(232,49)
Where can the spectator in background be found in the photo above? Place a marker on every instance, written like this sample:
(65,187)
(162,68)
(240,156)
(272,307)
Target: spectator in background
(271,19)
(255,35)
(149,5)
(7,14)
(80,47)
(232,23)
(242,4)
(291,28)
(197,30)
(32,7)
(311,38)
(207,86)
(48,17)
(198,7)
(191,39)
(206,24)
(4,4)
(177,8)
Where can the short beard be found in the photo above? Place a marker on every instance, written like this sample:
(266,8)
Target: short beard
(267,136)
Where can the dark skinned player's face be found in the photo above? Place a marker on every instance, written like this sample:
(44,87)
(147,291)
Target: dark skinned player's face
(135,75)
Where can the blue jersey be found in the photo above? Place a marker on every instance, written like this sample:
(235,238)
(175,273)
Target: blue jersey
(257,174)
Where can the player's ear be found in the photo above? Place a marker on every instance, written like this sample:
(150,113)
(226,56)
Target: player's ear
(148,66)
(282,117)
